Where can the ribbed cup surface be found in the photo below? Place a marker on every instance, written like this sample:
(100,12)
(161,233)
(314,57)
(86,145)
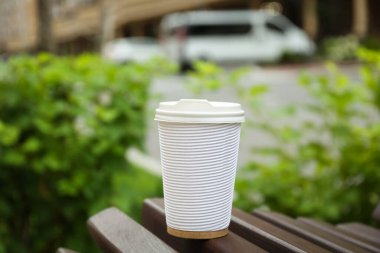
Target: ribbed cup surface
(199,166)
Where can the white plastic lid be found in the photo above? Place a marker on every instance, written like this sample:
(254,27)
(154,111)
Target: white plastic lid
(199,111)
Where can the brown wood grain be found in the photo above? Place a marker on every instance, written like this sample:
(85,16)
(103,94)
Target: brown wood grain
(312,234)
(269,236)
(263,231)
(376,213)
(362,231)
(154,220)
(330,229)
(113,231)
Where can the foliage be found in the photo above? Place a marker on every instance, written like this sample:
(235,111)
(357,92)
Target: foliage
(205,77)
(324,165)
(291,57)
(325,155)
(210,77)
(345,47)
(340,48)
(372,43)
(65,123)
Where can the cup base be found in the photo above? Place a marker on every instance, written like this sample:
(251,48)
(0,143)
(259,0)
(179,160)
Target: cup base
(197,234)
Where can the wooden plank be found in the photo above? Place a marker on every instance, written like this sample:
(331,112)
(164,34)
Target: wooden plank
(113,231)
(317,236)
(376,213)
(230,243)
(63,250)
(269,236)
(330,229)
(154,220)
(362,231)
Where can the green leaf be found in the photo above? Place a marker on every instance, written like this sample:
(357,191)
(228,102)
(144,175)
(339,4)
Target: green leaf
(31,145)
(8,135)
(13,158)
(107,115)
(258,90)
(304,79)
(207,68)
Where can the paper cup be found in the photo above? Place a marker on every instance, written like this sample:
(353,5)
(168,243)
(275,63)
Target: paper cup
(199,142)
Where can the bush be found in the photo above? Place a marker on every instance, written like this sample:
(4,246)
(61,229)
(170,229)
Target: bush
(372,43)
(325,157)
(327,164)
(65,123)
(340,48)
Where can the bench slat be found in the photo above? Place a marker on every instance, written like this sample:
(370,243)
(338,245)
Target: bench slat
(154,220)
(269,236)
(63,250)
(376,213)
(361,231)
(113,231)
(330,229)
(317,236)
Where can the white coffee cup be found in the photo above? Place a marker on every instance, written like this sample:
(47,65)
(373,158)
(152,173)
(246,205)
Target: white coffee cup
(199,142)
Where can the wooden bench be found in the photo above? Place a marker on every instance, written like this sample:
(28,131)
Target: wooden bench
(113,231)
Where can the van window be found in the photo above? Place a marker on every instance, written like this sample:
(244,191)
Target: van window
(278,24)
(219,29)
(274,27)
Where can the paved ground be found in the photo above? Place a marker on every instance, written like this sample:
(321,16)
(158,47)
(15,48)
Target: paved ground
(283,89)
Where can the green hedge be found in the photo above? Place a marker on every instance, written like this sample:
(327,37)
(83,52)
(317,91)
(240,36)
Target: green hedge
(325,164)
(65,123)
(324,156)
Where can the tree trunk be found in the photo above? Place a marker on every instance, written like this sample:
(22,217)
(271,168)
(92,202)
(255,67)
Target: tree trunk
(360,18)
(46,42)
(310,18)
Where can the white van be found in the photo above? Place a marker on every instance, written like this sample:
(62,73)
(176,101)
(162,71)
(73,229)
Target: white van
(225,36)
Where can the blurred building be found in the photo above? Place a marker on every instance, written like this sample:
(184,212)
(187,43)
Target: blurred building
(78,25)
(18,25)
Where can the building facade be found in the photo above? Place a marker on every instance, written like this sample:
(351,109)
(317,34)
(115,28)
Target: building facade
(78,25)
